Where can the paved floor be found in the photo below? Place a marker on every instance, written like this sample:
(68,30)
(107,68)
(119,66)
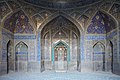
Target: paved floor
(60,76)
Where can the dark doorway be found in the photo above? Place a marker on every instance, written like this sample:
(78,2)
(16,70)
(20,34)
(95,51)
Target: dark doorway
(111,45)
(8,55)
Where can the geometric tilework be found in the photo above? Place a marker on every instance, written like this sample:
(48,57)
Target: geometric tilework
(4,10)
(109,23)
(24,37)
(9,35)
(38,19)
(95,37)
(97,25)
(101,24)
(18,23)
(115,11)
(112,34)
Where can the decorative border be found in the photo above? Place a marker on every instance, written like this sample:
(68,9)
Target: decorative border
(101,37)
(82,48)
(24,36)
(95,37)
(39,47)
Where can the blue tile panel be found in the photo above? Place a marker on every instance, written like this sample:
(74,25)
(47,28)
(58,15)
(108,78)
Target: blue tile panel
(112,34)
(24,36)
(39,48)
(101,24)
(19,23)
(82,48)
(95,37)
(6,36)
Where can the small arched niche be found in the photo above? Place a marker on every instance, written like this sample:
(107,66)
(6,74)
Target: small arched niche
(99,57)
(60,56)
(21,56)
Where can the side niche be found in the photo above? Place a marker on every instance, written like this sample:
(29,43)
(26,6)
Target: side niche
(21,56)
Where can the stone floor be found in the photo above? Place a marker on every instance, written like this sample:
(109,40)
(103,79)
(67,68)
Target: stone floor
(60,76)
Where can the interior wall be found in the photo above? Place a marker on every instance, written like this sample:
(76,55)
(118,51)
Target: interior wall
(34,16)
(119,46)
(113,37)
(59,29)
(0,48)
(90,42)
(30,41)
(6,37)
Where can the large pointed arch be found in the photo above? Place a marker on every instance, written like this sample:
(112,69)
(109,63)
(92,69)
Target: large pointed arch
(59,26)
(81,29)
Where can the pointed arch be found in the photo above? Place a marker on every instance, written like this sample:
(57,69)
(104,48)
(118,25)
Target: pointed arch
(61,42)
(21,42)
(99,43)
(57,14)
(21,56)
(67,28)
(98,57)
(60,53)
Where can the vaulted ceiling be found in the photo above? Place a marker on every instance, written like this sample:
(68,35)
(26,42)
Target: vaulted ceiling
(62,4)
(26,16)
